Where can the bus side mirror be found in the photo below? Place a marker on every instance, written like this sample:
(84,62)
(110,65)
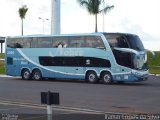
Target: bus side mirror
(127,50)
(153,53)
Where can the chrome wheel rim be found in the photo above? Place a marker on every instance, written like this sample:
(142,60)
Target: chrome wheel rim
(37,76)
(26,75)
(92,77)
(107,78)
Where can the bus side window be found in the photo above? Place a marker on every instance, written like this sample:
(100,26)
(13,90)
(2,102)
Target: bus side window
(112,42)
(27,42)
(60,42)
(122,43)
(76,42)
(18,45)
(34,43)
(10,43)
(44,42)
(55,44)
(94,42)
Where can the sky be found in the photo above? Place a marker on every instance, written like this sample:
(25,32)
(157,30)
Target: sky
(139,17)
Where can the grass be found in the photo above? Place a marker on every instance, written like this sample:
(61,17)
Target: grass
(1,55)
(153,64)
(2,67)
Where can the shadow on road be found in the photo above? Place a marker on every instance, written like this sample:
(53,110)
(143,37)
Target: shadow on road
(142,83)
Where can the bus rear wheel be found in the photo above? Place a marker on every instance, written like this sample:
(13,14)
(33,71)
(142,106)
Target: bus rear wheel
(26,75)
(91,77)
(106,78)
(37,75)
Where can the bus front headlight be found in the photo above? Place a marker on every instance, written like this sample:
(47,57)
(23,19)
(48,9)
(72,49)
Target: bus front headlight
(145,58)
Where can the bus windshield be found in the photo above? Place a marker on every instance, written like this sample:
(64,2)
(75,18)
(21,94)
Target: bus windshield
(135,42)
(124,46)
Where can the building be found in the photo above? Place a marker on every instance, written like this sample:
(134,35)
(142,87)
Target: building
(2,40)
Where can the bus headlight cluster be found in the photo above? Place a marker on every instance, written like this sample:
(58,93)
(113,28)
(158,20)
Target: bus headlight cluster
(145,58)
(135,73)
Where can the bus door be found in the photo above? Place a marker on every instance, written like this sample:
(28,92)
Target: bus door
(11,66)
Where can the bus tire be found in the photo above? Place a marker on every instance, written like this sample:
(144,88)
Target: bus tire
(26,75)
(37,75)
(106,78)
(91,77)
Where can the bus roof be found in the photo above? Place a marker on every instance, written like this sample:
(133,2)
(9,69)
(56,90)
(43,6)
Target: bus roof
(79,34)
(50,35)
(119,34)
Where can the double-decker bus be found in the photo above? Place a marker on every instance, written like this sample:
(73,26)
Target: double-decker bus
(94,57)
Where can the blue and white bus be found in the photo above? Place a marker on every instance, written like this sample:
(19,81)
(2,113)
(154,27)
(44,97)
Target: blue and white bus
(94,57)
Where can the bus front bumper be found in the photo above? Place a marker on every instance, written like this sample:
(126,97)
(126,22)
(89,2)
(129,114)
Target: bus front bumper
(132,76)
(140,75)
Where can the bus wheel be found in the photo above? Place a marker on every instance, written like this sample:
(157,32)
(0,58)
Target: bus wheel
(106,78)
(37,75)
(91,77)
(26,75)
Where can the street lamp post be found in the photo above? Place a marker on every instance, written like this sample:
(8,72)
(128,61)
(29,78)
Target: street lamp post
(43,21)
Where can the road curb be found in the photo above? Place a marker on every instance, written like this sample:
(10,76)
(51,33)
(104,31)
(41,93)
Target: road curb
(155,74)
(5,76)
(1,59)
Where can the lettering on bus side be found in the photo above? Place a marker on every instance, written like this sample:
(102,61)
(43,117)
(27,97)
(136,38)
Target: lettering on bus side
(74,61)
(10,52)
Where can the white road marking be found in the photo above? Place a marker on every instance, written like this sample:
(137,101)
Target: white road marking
(69,110)
(38,106)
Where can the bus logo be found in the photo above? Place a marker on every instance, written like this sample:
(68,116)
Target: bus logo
(66,52)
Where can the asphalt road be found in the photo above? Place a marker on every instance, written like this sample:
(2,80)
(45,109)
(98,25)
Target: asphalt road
(141,97)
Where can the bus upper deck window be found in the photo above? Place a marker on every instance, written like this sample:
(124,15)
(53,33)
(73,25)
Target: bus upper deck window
(122,43)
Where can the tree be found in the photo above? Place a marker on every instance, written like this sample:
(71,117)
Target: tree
(93,7)
(22,13)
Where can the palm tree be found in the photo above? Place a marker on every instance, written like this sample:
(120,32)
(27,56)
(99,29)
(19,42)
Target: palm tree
(93,7)
(22,13)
